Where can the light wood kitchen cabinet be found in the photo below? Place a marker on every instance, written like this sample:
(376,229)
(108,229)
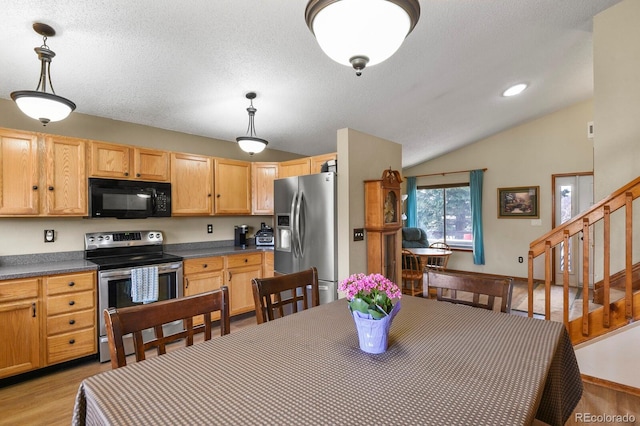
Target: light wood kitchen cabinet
(232,185)
(318,160)
(151,164)
(202,275)
(241,269)
(191,185)
(66,177)
(109,160)
(268,264)
(297,167)
(70,316)
(19,177)
(262,177)
(20,330)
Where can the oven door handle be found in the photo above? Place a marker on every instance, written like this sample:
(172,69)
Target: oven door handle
(125,273)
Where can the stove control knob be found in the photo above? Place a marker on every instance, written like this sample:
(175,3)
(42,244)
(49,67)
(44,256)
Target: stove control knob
(158,236)
(100,238)
(106,237)
(151,235)
(91,239)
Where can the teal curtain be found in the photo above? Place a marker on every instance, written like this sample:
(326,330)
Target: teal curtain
(412,203)
(475,188)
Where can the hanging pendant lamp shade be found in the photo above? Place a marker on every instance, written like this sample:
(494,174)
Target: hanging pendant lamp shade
(39,104)
(361,33)
(251,143)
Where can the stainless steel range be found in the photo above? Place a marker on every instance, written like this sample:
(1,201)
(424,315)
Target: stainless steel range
(118,255)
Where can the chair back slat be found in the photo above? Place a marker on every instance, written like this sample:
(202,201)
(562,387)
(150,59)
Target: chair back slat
(136,319)
(273,296)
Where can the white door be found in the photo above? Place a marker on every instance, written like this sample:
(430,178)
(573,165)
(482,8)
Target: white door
(573,195)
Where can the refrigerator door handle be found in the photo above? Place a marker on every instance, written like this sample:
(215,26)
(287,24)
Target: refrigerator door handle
(299,232)
(293,225)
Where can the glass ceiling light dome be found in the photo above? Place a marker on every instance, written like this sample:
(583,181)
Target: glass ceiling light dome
(38,104)
(358,33)
(251,143)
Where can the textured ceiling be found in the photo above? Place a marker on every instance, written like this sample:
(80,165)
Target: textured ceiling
(186,66)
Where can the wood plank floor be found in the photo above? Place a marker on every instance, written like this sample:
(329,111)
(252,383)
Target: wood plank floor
(49,400)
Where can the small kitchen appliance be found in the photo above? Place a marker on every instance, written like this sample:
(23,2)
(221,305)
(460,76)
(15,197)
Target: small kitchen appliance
(264,237)
(241,232)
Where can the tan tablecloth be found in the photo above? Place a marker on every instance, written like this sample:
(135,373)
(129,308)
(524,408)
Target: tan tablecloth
(446,364)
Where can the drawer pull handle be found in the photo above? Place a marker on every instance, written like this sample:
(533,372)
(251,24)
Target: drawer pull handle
(205,265)
(71,303)
(71,322)
(71,283)
(246,260)
(72,341)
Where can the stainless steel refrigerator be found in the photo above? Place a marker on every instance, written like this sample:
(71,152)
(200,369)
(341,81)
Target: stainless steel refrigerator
(305,228)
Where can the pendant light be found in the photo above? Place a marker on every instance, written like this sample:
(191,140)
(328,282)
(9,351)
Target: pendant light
(39,104)
(251,143)
(358,33)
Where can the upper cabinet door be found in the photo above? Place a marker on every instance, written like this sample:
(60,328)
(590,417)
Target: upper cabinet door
(18,173)
(151,164)
(66,178)
(232,186)
(262,177)
(191,185)
(318,160)
(109,160)
(298,167)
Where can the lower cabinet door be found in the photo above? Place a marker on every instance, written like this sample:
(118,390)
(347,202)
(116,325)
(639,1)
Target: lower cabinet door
(19,337)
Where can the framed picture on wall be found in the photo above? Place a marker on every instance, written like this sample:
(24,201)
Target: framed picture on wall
(521,202)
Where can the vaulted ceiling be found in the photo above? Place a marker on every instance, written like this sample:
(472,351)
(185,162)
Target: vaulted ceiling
(186,66)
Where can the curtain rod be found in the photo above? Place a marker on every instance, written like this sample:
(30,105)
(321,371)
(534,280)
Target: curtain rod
(447,173)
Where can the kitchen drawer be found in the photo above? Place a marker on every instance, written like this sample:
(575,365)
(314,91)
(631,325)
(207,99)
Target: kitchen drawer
(203,264)
(240,260)
(72,302)
(18,289)
(73,321)
(72,345)
(60,284)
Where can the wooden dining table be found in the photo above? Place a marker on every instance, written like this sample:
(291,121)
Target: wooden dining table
(446,364)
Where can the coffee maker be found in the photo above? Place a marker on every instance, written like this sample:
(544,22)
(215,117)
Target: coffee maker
(241,232)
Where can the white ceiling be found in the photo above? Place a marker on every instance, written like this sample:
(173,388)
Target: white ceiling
(187,65)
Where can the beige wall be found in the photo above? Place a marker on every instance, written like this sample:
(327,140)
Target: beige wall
(25,235)
(616,53)
(525,155)
(361,157)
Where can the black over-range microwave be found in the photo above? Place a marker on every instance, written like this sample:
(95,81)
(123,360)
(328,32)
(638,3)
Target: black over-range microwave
(125,199)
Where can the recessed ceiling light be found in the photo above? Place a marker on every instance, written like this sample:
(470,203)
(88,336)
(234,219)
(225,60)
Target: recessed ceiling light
(514,90)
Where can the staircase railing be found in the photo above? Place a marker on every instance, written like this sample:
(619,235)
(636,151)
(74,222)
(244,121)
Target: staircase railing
(596,323)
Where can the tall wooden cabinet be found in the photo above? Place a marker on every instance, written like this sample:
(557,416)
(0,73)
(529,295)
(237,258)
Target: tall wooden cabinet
(66,177)
(262,177)
(383,224)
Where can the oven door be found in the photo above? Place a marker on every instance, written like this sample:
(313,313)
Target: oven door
(114,288)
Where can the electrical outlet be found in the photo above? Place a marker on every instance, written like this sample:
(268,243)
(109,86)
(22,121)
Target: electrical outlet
(209,229)
(520,259)
(358,234)
(49,235)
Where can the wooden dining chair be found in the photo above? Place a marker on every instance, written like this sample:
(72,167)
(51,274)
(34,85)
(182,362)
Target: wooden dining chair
(438,262)
(472,290)
(135,319)
(275,297)
(412,274)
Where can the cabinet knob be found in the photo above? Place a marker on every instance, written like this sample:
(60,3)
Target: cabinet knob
(218,196)
(246,260)
(137,174)
(205,265)
(71,322)
(51,188)
(35,187)
(71,303)
(208,195)
(72,341)
(71,283)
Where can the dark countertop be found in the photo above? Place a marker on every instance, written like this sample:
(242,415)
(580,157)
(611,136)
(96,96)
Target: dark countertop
(217,251)
(9,272)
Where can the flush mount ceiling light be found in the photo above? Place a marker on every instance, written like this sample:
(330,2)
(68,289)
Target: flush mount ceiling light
(251,143)
(358,33)
(39,104)
(514,90)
